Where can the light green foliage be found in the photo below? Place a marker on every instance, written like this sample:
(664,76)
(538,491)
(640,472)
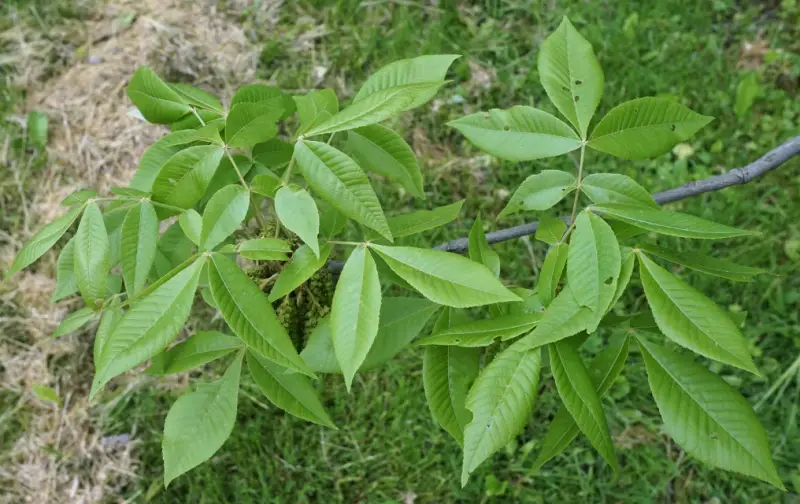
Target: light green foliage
(571,75)
(540,191)
(354,314)
(518,134)
(298,212)
(199,422)
(282,202)
(447,374)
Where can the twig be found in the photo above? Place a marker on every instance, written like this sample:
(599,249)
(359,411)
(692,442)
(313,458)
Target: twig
(771,160)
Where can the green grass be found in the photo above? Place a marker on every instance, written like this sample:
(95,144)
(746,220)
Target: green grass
(387,444)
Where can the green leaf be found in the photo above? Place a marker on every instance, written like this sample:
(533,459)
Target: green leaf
(422,69)
(199,350)
(108,321)
(43,241)
(226,175)
(139,241)
(625,271)
(746,93)
(669,223)
(261,94)
(623,230)
(191,121)
(501,401)
(479,249)
(444,278)
(251,123)
(481,333)
(401,320)
(191,223)
(149,326)
(65,273)
(422,220)
(692,320)
(265,249)
(80,196)
(603,370)
(520,133)
(184,178)
(173,249)
(303,265)
(224,214)
(551,272)
(157,155)
(707,417)
(92,256)
(376,107)
(37,128)
(616,188)
(550,230)
(593,264)
(447,374)
(197,97)
(155,99)
(354,313)
(113,219)
(247,311)
(379,149)
(645,128)
(315,103)
(541,191)
(199,422)
(563,318)
(340,181)
(581,399)
(265,184)
(571,75)
(706,264)
(274,153)
(45,393)
(298,212)
(74,321)
(292,393)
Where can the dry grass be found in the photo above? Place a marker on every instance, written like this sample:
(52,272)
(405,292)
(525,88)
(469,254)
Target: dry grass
(60,455)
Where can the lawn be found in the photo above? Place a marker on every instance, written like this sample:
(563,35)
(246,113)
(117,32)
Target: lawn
(388,448)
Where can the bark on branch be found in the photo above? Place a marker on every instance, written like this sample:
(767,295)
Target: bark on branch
(737,176)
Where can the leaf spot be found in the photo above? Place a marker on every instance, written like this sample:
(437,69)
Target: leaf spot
(578,82)
(672,128)
(714,435)
(565,88)
(609,280)
(506,127)
(577,98)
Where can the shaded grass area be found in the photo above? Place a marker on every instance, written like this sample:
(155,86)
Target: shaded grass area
(388,447)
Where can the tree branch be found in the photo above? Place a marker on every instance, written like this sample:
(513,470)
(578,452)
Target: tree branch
(737,176)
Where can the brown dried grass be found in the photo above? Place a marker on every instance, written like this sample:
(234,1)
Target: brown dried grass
(61,456)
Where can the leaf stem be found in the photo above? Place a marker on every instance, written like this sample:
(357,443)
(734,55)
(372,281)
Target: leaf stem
(577,195)
(194,111)
(161,281)
(256,213)
(353,244)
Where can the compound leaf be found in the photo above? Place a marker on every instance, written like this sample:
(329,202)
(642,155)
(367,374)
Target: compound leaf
(354,312)
(520,133)
(707,417)
(445,278)
(645,128)
(420,70)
